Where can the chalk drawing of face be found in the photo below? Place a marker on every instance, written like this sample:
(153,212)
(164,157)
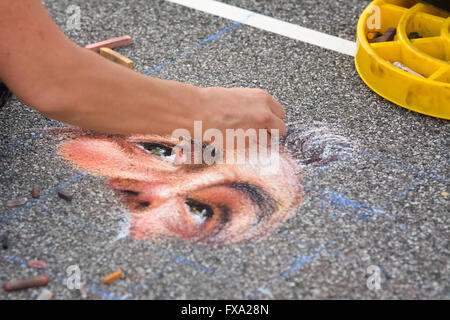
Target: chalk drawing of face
(218,203)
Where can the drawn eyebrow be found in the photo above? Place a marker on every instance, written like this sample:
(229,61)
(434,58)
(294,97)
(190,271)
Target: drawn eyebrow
(265,202)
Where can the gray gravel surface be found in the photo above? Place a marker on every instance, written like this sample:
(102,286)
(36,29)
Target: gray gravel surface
(381,204)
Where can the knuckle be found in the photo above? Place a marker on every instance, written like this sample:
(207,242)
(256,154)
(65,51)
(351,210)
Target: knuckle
(263,94)
(267,98)
(264,117)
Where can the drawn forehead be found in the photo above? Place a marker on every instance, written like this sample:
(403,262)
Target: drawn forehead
(214,173)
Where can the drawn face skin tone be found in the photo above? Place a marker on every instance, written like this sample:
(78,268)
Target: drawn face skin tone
(218,203)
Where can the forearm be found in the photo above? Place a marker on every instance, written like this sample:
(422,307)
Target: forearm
(107,97)
(30,46)
(50,73)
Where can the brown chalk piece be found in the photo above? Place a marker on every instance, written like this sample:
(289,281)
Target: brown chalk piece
(5,244)
(26,283)
(116,57)
(16,202)
(36,192)
(111,43)
(414,35)
(36,264)
(65,195)
(113,276)
(387,36)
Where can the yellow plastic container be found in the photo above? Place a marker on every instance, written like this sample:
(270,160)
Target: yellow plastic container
(428,56)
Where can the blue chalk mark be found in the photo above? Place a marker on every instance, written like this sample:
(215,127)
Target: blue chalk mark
(304,260)
(401,194)
(78,221)
(341,201)
(401,165)
(41,198)
(21,143)
(15,259)
(334,253)
(185,261)
(103,293)
(303,242)
(198,44)
(299,264)
(296,265)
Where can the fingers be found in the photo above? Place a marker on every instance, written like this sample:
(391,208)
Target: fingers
(277,124)
(277,108)
(273,104)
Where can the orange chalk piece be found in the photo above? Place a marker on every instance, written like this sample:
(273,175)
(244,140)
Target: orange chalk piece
(116,57)
(26,283)
(110,278)
(111,43)
(372,35)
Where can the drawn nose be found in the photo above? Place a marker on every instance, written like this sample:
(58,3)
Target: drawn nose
(155,193)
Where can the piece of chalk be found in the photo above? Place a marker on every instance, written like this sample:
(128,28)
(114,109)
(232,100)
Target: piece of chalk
(371,35)
(26,283)
(36,192)
(5,242)
(16,202)
(116,57)
(405,68)
(111,43)
(36,264)
(45,295)
(387,36)
(65,195)
(113,276)
(414,35)
(83,292)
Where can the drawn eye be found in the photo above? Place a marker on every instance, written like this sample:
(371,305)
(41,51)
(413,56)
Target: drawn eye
(157,149)
(199,211)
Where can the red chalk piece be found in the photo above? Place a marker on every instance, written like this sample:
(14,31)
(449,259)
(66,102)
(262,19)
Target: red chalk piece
(37,264)
(31,282)
(111,43)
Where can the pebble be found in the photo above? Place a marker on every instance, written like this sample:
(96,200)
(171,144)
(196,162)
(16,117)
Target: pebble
(45,295)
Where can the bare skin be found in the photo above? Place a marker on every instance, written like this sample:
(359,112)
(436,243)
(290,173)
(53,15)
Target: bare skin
(48,72)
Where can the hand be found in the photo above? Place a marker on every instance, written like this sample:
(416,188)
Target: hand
(242,108)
